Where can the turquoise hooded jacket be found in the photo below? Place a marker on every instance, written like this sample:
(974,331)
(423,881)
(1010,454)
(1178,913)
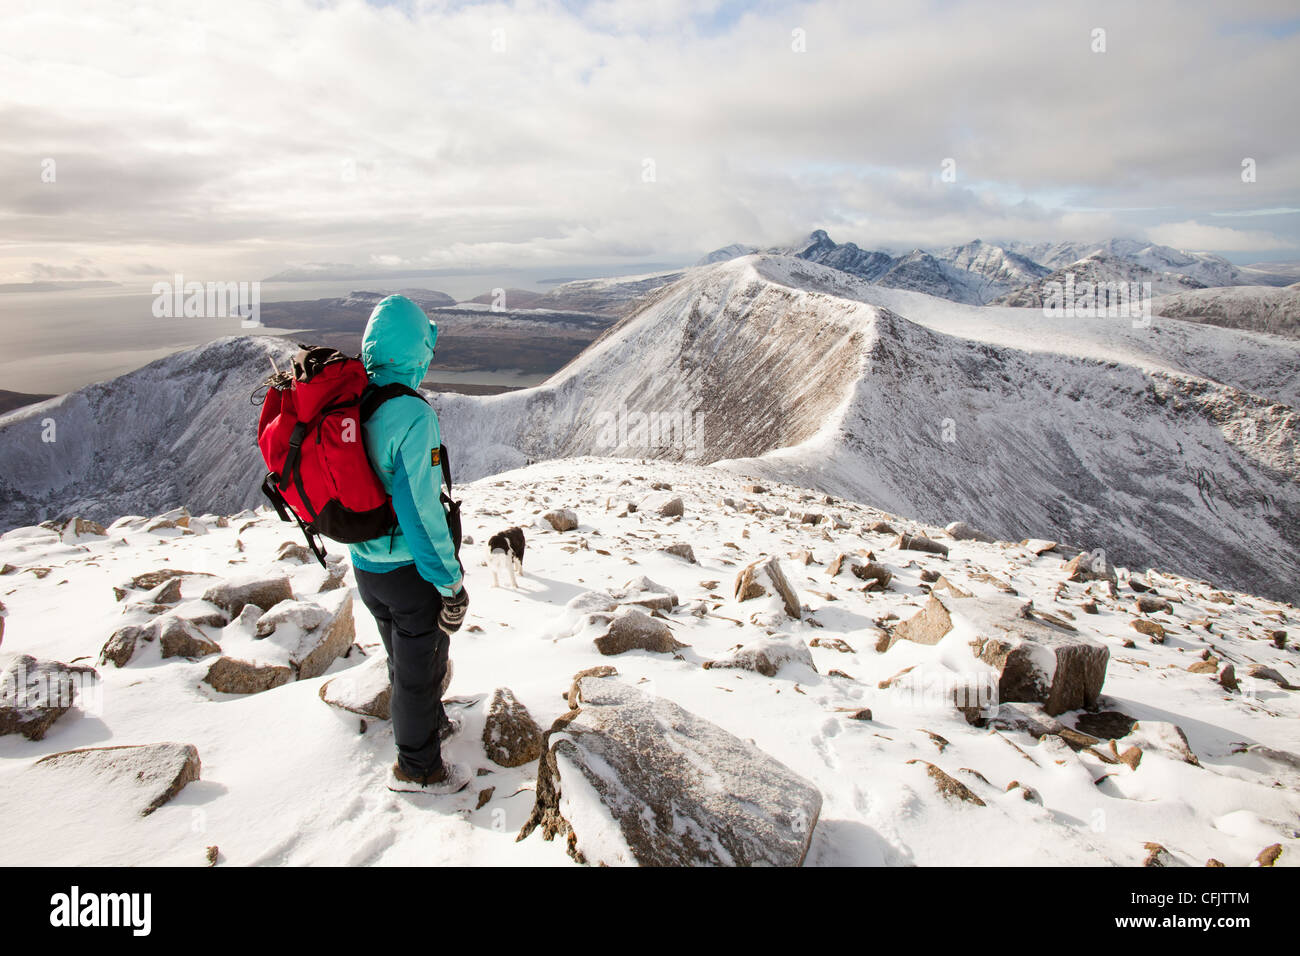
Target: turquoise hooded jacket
(404,443)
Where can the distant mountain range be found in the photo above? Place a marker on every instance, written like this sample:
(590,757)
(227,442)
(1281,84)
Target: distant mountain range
(1012,273)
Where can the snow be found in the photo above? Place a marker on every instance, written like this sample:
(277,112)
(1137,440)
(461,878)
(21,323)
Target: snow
(288,779)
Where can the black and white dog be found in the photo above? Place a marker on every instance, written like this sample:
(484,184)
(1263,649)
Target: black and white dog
(506,555)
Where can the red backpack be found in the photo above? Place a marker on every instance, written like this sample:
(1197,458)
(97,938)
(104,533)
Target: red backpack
(310,436)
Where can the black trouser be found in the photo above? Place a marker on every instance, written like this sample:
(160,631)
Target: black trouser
(406,607)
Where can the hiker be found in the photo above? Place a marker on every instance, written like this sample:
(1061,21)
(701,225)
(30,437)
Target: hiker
(410,579)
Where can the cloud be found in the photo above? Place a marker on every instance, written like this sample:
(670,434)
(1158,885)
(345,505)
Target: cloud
(1194,235)
(239,137)
(39,271)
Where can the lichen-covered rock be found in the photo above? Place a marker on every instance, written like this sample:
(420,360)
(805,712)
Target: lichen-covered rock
(764,577)
(768,655)
(234,595)
(147,775)
(511,738)
(631,779)
(34,694)
(634,630)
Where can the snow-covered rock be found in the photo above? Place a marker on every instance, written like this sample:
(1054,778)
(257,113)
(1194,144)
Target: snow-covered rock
(35,693)
(145,775)
(364,689)
(767,655)
(633,779)
(764,578)
(631,629)
(303,640)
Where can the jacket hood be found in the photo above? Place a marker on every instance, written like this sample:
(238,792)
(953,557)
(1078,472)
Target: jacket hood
(398,342)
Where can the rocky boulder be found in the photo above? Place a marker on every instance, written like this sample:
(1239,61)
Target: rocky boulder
(363,690)
(1092,566)
(511,738)
(145,775)
(234,595)
(644,593)
(123,643)
(767,656)
(919,542)
(179,638)
(665,506)
(928,626)
(562,519)
(34,694)
(682,550)
(1035,659)
(300,646)
(631,779)
(961,531)
(765,577)
(633,630)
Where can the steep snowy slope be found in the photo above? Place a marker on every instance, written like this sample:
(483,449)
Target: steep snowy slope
(1155,464)
(180,430)
(1257,308)
(288,779)
(1256,363)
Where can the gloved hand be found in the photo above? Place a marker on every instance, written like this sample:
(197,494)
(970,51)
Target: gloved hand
(452,615)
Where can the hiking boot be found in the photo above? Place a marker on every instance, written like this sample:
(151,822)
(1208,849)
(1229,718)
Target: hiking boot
(452,778)
(449,729)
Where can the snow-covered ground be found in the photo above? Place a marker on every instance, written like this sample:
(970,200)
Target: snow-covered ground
(287,778)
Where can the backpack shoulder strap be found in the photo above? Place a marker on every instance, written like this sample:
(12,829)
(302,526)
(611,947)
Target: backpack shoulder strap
(376,395)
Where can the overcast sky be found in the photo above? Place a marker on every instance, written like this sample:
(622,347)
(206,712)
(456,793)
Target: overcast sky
(244,137)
